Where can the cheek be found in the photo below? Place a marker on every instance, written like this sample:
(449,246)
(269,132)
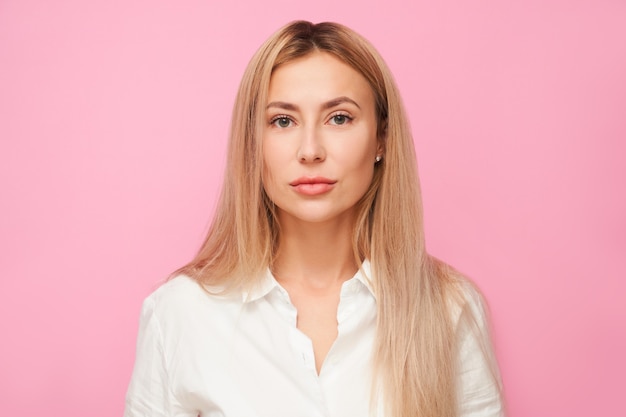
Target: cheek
(359,157)
(267,179)
(270,158)
(271,168)
(266,174)
(275,151)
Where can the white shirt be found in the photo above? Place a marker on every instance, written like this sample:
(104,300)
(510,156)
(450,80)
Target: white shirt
(243,356)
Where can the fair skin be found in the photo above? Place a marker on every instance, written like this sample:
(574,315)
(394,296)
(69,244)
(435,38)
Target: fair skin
(319,150)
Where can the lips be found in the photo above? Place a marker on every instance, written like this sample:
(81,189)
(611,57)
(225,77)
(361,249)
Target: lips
(312,186)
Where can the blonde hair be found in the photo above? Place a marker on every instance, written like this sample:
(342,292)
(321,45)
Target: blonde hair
(414,354)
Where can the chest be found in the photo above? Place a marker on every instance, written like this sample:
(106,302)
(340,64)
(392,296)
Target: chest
(260,363)
(316,317)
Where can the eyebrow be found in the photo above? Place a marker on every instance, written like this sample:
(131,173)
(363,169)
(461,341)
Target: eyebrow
(328,105)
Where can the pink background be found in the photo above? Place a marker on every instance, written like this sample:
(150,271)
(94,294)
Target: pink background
(113,122)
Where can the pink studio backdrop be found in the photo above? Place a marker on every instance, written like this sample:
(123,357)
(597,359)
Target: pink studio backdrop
(113,121)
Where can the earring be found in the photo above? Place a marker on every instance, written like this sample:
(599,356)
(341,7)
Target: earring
(378,158)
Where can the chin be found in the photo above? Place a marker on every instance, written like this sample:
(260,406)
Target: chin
(317,217)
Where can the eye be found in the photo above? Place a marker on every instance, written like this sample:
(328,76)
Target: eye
(281,122)
(340,119)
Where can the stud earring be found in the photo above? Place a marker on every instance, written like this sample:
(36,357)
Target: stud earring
(378,158)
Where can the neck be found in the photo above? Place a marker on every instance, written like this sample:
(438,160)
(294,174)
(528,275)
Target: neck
(317,255)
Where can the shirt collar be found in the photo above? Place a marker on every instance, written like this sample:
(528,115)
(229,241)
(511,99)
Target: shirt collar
(267,283)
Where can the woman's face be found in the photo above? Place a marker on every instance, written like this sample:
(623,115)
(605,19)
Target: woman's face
(319,139)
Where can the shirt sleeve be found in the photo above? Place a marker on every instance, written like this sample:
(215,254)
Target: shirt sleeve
(149,393)
(479,388)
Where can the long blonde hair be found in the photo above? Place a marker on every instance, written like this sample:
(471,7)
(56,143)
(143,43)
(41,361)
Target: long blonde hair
(415,346)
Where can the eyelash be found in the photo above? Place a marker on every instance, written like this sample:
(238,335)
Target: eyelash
(278,117)
(342,114)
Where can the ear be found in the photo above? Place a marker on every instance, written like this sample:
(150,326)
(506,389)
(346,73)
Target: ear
(380,149)
(382,137)
(382,140)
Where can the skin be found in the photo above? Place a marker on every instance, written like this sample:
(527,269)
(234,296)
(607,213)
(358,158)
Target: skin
(320,123)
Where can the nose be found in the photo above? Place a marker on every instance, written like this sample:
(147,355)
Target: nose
(311,148)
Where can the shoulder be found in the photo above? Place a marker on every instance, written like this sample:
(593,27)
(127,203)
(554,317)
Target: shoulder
(466,301)
(460,295)
(175,292)
(183,297)
(183,312)
(178,289)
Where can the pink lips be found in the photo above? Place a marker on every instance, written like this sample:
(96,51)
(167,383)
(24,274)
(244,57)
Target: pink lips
(312,185)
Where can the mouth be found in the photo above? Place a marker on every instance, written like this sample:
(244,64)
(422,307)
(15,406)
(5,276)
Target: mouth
(311,180)
(312,186)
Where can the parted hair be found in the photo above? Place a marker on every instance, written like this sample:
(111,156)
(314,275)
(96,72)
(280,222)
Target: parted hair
(415,349)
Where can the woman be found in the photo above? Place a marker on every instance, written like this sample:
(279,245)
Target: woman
(313,293)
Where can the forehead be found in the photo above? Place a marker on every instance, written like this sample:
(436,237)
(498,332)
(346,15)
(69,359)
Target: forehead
(318,74)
